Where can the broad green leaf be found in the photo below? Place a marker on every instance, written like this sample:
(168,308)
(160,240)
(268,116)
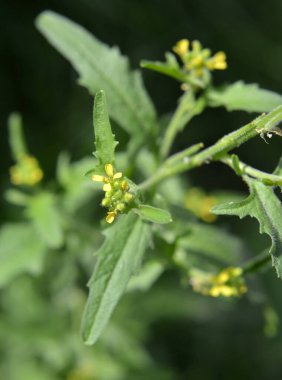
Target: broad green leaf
(153,214)
(43,212)
(102,67)
(21,250)
(149,274)
(118,259)
(208,244)
(263,205)
(104,138)
(245,97)
(170,67)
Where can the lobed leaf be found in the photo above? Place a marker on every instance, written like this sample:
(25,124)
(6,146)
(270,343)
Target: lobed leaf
(118,259)
(102,67)
(263,205)
(245,97)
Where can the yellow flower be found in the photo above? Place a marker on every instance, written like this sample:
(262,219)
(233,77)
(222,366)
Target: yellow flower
(26,172)
(181,47)
(111,215)
(217,62)
(197,62)
(228,283)
(109,170)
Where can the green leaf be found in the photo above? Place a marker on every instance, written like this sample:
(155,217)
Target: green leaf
(43,212)
(16,197)
(102,67)
(170,67)
(263,205)
(77,188)
(20,251)
(118,259)
(208,246)
(104,138)
(245,97)
(16,137)
(278,170)
(153,214)
(149,274)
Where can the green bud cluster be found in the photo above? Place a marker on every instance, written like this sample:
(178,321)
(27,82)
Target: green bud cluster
(117,196)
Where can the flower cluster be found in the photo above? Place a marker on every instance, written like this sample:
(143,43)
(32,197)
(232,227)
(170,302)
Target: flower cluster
(228,283)
(198,62)
(117,196)
(26,172)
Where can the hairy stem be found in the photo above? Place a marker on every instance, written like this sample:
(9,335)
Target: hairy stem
(218,151)
(266,178)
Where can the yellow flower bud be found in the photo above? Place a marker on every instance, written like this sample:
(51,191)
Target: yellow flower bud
(98,178)
(107,187)
(111,216)
(109,170)
(181,47)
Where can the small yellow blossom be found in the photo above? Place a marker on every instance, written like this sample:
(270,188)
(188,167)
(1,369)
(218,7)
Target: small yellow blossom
(111,215)
(98,178)
(26,172)
(107,187)
(217,62)
(228,283)
(117,196)
(181,47)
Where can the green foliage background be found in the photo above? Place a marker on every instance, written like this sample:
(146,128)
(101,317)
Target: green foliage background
(185,335)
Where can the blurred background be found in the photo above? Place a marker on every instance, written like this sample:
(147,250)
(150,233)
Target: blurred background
(217,341)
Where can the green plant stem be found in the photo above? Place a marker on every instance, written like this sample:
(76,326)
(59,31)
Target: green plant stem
(218,151)
(187,108)
(266,178)
(256,263)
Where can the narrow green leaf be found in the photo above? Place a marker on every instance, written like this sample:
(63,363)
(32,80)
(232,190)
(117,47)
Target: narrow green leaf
(118,259)
(104,138)
(16,197)
(245,97)
(170,67)
(16,137)
(278,170)
(102,67)
(43,212)
(153,214)
(263,205)
(20,251)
